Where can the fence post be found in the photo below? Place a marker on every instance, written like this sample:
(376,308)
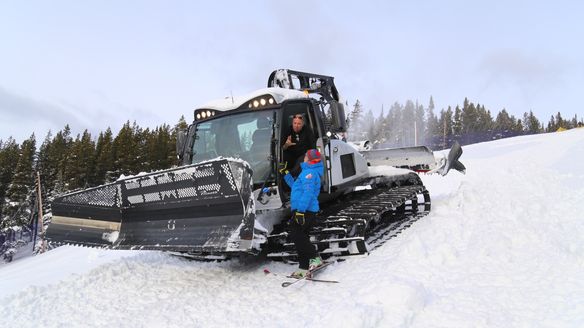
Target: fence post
(40,212)
(34,225)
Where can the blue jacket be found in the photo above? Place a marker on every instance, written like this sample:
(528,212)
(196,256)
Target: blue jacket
(306,187)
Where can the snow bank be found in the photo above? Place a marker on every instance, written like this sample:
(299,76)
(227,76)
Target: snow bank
(51,267)
(502,247)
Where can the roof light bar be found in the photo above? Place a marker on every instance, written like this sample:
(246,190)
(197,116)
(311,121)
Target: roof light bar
(261,101)
(202,114)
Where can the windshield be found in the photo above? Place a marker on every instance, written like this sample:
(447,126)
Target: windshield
(245,136)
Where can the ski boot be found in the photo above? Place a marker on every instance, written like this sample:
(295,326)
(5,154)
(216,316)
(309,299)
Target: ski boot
(314,263)
(300,274)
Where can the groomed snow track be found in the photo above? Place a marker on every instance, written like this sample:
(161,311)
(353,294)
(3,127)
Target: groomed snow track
(362,221)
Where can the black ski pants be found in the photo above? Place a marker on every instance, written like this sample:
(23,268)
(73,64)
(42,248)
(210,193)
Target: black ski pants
(301,239)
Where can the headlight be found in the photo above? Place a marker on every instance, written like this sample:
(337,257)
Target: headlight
(261,101)
(203,113)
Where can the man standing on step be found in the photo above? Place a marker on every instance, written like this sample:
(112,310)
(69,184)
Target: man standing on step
(305,207)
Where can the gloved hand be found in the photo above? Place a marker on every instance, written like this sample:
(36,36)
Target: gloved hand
(282,168)
(299,218)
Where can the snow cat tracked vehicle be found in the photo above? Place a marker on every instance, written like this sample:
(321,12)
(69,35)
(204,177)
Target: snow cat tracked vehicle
(227,198)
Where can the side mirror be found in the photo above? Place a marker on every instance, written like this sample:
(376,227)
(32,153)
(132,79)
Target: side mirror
(338,117)
(181,138)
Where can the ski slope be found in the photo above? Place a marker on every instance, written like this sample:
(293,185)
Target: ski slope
(502,247)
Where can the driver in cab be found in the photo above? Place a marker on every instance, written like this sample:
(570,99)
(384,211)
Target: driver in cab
(295,146)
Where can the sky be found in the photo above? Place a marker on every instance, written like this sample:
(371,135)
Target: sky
(98,64)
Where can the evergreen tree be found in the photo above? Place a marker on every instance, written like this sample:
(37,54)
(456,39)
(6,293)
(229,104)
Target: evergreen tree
(518,129)
(457,127)
(531,123)
(58,155)
(432,131)
(379,128)
(355,127)
(81,162)
(9,154)
(552,125)
(469,120)
(394,126)
(560,123)
(161,148)
(142,140)
(45,167)
(419,125)
(446,125)
(485,123)
(407,123)
(125,151)
(369,125)
(431,106)
(181,125)
(21,185)
(504,124)
(574,122)
(104,159)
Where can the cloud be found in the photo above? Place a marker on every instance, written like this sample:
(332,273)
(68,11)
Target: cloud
(515,67)
(21,116)
(15,106)
(519,77)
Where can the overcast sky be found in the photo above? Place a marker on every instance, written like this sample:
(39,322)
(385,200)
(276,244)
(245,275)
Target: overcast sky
(95,64)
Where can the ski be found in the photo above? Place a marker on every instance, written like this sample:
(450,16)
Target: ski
(268,272)
(311,273)
(288,283)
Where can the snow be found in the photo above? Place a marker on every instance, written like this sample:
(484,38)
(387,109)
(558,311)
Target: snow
(123,177)
(111,237)
(378,170)
(502,247)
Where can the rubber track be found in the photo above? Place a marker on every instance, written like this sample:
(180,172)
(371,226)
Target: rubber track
(365,221)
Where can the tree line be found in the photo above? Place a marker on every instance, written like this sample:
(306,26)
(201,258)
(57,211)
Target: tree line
(412,124)
(66,163)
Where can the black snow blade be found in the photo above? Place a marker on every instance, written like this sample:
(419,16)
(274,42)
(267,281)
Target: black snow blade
(200,208)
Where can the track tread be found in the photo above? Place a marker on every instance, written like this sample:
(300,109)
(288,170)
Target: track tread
(367,221)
